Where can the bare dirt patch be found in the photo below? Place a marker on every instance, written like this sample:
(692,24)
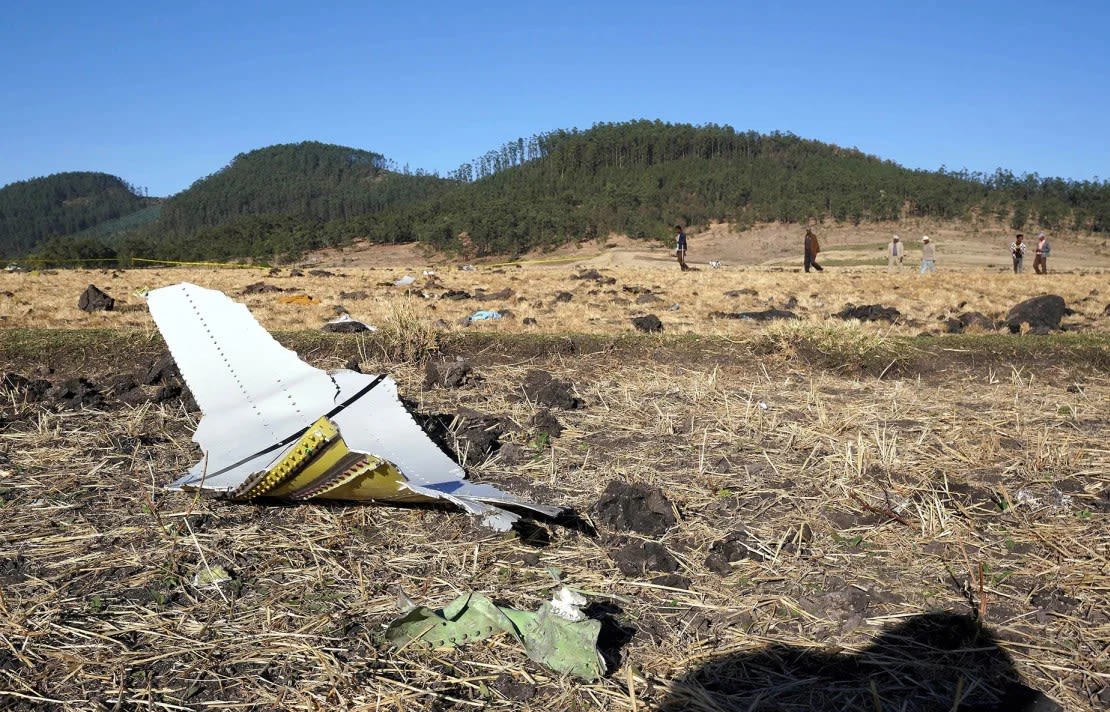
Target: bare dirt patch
(961,246)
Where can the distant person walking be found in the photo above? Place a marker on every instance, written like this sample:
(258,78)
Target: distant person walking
(1040,255)
(812,247)
(894,254)
(680,247)
(928,256)
(1017,251)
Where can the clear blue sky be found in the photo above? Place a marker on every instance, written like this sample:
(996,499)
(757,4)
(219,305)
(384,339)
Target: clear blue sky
(162,97)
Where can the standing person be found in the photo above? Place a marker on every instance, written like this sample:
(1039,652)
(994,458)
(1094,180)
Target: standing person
(1040,255)
(680,247)
(928,256)
(1017,251)
(894,254)
(812,247)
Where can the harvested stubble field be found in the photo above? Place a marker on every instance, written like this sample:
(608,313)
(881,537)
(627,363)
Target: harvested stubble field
(844,515)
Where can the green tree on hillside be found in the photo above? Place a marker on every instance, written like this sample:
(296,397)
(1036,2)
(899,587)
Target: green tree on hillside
(34,211)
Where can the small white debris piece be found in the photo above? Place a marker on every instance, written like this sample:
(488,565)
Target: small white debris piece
(568,604)
(429,273)
(344,319)
(405,281)
(405,603)
(210,576)
(1060,500)
(715,264)
(763,405)
(1024,496)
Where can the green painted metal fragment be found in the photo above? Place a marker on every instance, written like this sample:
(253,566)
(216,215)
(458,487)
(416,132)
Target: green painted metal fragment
(549,636)
(468,618)
(563,645)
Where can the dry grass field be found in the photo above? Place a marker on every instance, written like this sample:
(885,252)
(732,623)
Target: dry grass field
(876,516)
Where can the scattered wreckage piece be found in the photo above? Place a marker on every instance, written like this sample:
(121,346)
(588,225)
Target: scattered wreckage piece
(346,324)
(558,635)
(274,426)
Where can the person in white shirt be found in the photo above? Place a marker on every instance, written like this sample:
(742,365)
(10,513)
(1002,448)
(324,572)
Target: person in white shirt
(928,256)
(1040,256)
(894,254)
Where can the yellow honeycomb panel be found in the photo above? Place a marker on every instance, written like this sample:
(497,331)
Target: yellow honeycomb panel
(308,446)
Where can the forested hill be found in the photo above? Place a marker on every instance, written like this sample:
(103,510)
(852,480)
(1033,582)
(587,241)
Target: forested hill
(276,203)
(636,178)
(34,211)
(310,180)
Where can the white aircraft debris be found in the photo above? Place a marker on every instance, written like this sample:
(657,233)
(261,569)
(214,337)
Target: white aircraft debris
(274,426)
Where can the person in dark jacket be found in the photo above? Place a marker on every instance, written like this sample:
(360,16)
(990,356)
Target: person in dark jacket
(680,247)
(812,247)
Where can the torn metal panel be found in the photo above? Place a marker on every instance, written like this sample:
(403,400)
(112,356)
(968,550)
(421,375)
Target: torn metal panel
(274,426)
(558,635)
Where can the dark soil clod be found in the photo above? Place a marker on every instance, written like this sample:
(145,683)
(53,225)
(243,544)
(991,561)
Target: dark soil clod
(449,374)
(736,546)
(870,312)
(93,299)
(637,557)
(546,423)
(1042,314)
(630,507)
(542,388)
(649,323)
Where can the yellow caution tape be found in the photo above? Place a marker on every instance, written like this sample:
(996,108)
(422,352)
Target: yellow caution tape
(226,265)
(553,260)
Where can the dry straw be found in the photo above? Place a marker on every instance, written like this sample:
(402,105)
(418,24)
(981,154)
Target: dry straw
(975,485)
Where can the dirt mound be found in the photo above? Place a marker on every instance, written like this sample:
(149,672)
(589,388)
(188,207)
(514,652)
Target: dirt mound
(631,507)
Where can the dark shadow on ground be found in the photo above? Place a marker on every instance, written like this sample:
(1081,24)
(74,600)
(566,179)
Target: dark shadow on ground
(936,661)
(614,635)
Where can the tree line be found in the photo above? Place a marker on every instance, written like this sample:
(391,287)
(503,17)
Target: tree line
(635,178)
(36,210)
